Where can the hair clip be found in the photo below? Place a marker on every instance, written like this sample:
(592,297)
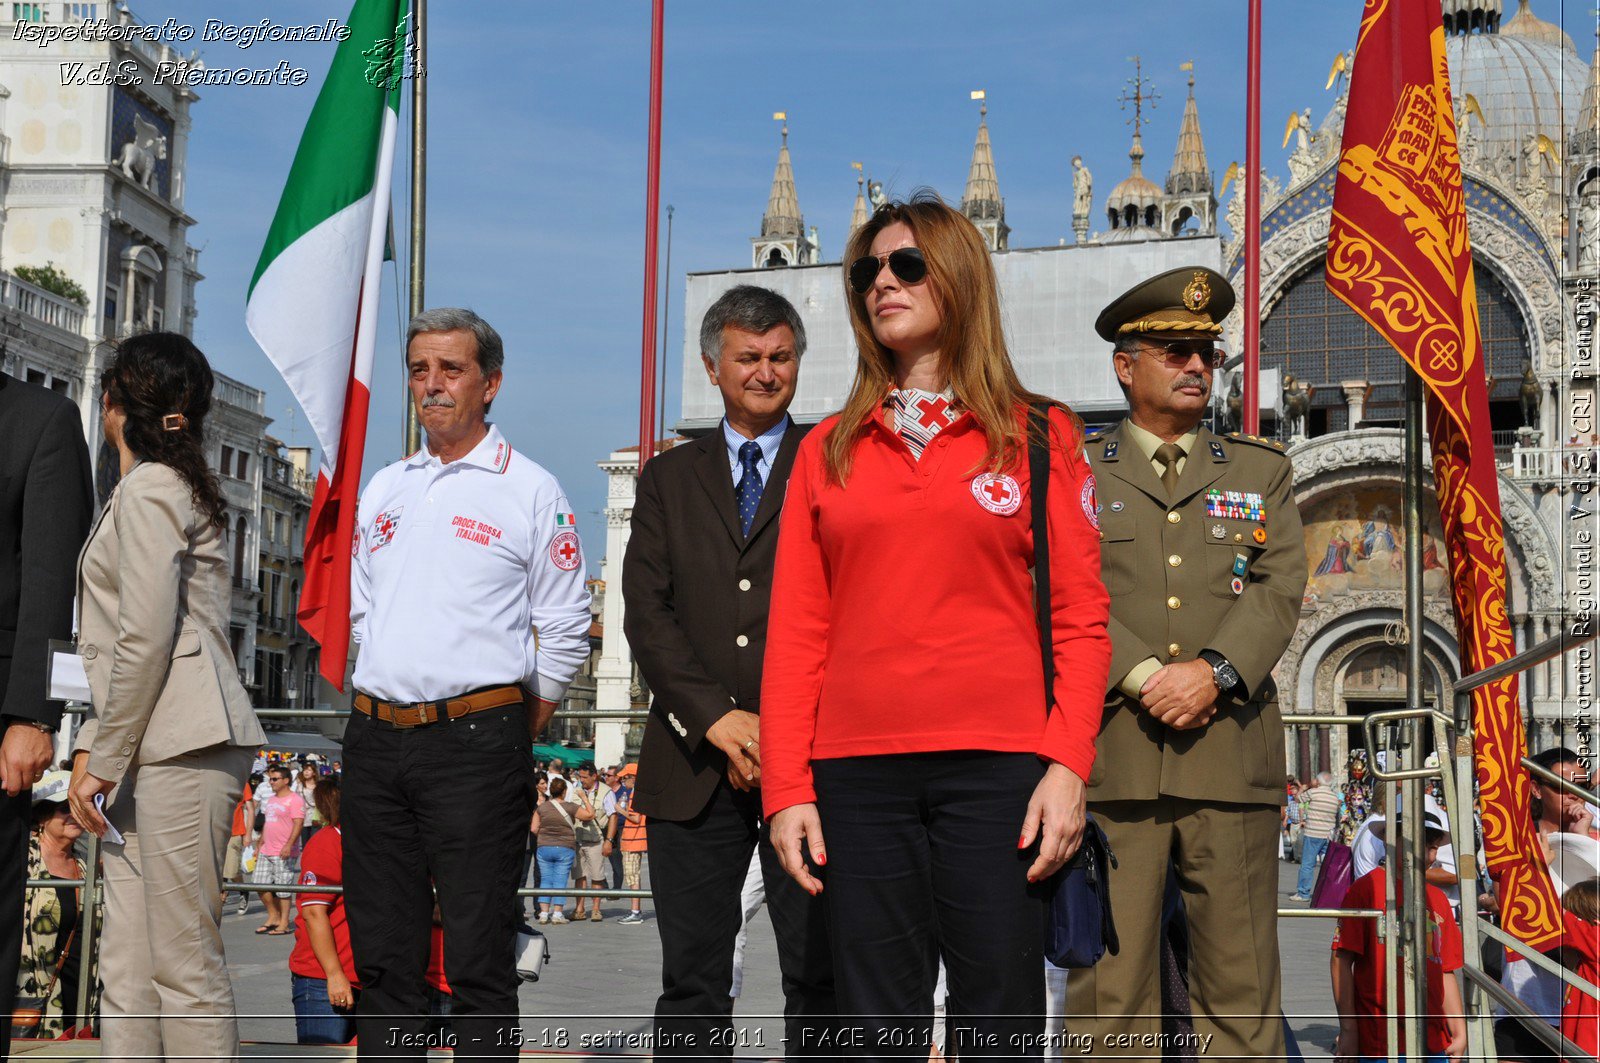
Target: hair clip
(174,422)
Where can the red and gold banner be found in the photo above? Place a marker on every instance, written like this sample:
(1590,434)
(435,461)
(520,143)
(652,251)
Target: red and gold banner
(1398,253)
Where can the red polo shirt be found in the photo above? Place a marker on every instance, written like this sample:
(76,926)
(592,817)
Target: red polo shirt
(902,608)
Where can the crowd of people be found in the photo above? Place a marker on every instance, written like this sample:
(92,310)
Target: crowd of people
(1342,834)
(911,648)
(585,833)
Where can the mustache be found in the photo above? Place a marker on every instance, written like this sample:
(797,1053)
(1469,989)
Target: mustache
(438,400)
(1190,380)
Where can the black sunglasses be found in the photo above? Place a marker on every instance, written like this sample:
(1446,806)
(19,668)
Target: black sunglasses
(906,263)
(1177,353)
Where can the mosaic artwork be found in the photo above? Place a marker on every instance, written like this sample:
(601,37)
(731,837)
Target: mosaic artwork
(1355,545)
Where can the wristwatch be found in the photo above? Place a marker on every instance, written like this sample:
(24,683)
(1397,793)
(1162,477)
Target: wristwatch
(1222,673)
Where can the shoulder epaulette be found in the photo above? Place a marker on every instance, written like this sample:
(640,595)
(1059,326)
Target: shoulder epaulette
(1260,441)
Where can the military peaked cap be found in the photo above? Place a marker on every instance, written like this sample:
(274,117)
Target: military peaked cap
(1186,303)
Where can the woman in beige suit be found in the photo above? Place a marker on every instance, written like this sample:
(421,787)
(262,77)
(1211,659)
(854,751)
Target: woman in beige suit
(170,717)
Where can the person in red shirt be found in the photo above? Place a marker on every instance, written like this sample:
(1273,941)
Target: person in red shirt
(902,718)
(321,971)
(1580,1012)
(1359,990)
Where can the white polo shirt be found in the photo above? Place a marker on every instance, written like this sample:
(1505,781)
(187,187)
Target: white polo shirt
(467,575)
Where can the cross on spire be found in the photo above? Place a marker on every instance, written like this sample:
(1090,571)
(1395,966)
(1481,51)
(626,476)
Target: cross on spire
(1142,94)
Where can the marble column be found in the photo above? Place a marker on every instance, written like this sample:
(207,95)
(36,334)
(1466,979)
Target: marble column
(1355,399)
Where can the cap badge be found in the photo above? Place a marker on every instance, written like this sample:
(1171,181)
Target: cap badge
(1197,293)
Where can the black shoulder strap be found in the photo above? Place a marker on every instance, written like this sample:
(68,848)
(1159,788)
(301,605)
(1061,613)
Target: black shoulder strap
(1039,480)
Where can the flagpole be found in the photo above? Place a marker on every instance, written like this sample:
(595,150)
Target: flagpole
(652,212)
(666,314)
(417,255)
(1250,420)
(1412,834)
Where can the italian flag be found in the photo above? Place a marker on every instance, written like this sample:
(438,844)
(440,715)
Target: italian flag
(313,302)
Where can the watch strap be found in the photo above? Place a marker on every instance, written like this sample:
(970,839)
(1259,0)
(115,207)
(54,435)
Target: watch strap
(1220,666)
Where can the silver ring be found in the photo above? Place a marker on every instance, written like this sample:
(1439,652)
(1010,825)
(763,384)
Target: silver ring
(750,743)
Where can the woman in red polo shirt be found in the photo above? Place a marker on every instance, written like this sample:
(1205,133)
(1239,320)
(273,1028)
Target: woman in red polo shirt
(901,716)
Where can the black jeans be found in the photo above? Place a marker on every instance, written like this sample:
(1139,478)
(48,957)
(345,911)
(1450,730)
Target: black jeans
(923,863)
(446,804)
(697,873)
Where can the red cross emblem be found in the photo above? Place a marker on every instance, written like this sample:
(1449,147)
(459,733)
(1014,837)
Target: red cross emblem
(384,526)
(564,551)
(997,493)
(935,412)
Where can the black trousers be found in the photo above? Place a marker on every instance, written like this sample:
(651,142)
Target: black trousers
(923,863)
(14,816)
(448,805)
(697,873)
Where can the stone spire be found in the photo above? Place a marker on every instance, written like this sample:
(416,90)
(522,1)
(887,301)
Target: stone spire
(782,241)
(1189,171)
(858,215)
(783,216)
(1190,192)
(981,201)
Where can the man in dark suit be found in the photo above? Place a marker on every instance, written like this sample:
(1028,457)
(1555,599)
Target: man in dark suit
(697,580)
(46,500)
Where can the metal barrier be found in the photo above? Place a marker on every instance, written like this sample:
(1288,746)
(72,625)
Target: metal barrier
(1407,928)
(1458,774)
(1406,731)
(90,883)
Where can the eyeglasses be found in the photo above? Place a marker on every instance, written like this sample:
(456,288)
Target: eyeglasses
(1178,353)
(906,263)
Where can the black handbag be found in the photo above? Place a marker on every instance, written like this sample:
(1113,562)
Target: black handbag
(1079,927)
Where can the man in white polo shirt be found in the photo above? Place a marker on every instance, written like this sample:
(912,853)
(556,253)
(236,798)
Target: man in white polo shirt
(469,605)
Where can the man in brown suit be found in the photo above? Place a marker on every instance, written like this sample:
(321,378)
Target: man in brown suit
(1201,552)
(697,579)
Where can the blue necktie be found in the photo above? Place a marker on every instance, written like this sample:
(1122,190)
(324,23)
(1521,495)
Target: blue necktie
(749,487)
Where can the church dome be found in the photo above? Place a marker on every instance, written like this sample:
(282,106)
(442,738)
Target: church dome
(1525,75)
(1136,190)
(1135,202)
(1526,24)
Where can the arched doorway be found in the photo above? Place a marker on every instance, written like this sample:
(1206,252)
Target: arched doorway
(1354,667)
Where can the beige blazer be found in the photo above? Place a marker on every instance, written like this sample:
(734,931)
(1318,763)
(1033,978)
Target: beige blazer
(153,605)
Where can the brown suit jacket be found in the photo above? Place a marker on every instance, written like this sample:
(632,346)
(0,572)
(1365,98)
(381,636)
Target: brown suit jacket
(694,586)
(154,599)
(1169,568)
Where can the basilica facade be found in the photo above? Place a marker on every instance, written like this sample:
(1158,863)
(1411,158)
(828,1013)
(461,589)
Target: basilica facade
(1528,107)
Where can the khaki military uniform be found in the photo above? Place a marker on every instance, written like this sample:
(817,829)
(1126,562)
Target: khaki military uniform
(1219,564)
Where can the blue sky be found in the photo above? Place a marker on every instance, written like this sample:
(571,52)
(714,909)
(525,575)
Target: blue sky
(538,115)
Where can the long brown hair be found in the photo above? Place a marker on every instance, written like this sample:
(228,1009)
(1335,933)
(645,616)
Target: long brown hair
(972,344)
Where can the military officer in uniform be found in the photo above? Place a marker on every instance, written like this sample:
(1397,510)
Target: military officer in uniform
(1201,552)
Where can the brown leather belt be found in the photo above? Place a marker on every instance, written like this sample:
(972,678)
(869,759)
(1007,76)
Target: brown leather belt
(422,713)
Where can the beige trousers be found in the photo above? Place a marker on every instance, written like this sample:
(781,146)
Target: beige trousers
(1226,859)
(167,992)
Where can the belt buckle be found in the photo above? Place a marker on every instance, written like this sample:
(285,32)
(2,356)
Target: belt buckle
(405,715)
